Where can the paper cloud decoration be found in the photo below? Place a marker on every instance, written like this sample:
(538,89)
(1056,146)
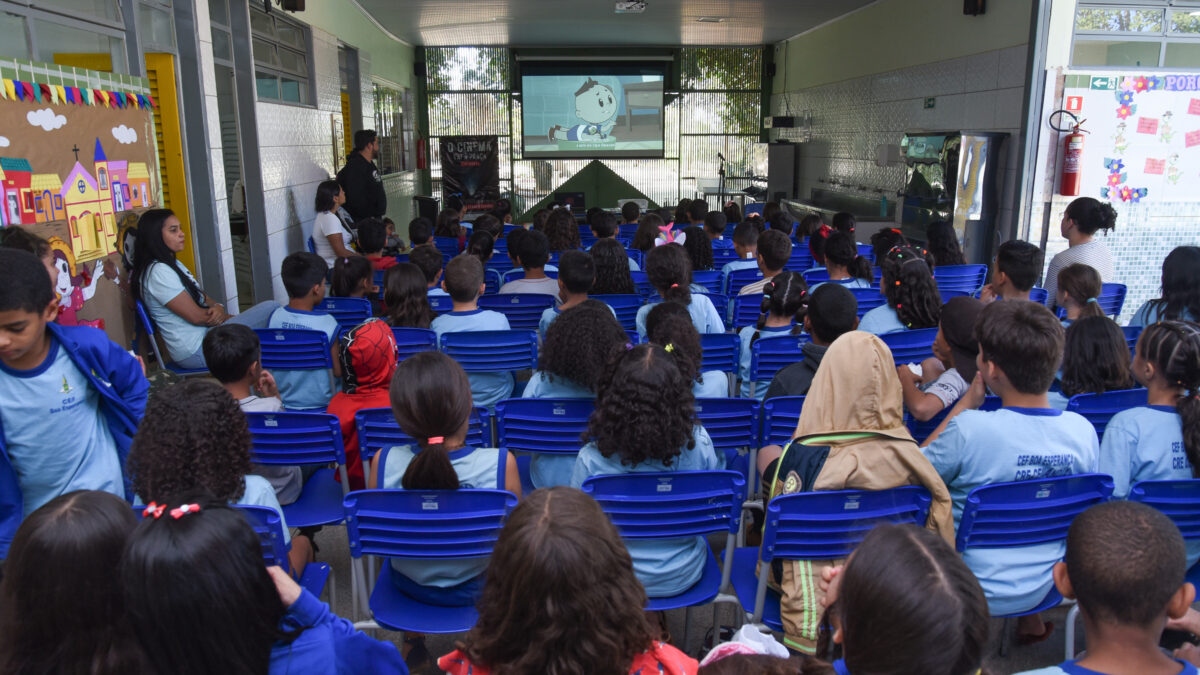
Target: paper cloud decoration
(46,119)
(3,141)
(124,135)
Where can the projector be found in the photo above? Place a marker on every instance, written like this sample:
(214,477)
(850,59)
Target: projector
(631,6)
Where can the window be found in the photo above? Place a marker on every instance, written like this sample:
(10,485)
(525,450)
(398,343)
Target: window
(104,10)
(1133,34)
(79,33)
(58,201)
(394,125)
(155,26)
(281,58)
(16,42)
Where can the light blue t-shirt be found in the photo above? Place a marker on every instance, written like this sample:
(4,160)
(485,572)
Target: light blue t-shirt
(161,285)
(705,317)
(747,334)
(1071,668)
(552,470)
(477,468)
(712,384)
(57,438)
(551,313)
(880,321)
(743,264)
(304,389)
(1144,443)
(260,493)
(853,282)
(669,566)
(1012,444)
(486,388)
(437,290)
(1149,314)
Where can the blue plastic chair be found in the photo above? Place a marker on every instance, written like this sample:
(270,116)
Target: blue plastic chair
(642,284)
(518,273)
(746,310)
(491,281)
(965,278)
(523,310)
(296,439)
(441,303)
(723,256)
(868,299)
(922,430)
(269,528)
(818,276)
(295,349)
(638,256)
(709,279)
(800,259)
(769,355)
(377,277)
(1038,295)
(1099,408)
(732,424)
(427,525)
(672,505)
(625,306)
(310,245)
(779,418)
(1132,333)
(627,230)
(148,328)
(753,208)
(411,341)
(910,346)
(551,426)
(492,351)
(816,526)
(720,351)
(377,429)
(740,278)
(867,251)
(720,303)
(1111,300)
(448,246)
(349,312)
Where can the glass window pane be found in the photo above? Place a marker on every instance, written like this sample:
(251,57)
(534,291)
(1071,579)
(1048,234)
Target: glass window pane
(261,24)
(221,46)
(292,62)
(1115,53)
(1119,20)
(265,53)
(1182,55)
(154,25)
(80,48)
(218,12)
(267,85)
(291,90)
(289,35)
(109,10)
(1185,22)
(15,43)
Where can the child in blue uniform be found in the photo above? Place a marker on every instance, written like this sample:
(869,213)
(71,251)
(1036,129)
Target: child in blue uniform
(785,302)
(577,273)
(70,399)
(670,272)
(670,324)
(464,283)
(912,294)
(303,276)
(1180,281)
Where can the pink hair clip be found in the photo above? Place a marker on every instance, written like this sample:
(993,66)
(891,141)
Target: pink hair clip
(434,440)
(183,510)
(153,510)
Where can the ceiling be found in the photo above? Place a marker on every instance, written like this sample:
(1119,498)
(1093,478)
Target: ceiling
(559,23)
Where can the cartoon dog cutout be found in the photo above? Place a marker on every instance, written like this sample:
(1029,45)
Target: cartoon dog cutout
(596,105)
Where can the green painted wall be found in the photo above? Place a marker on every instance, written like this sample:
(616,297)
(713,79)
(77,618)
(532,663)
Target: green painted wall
(893,34)
(390,59)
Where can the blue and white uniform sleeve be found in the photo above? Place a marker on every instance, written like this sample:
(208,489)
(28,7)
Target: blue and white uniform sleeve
(1116,456)
(946,453)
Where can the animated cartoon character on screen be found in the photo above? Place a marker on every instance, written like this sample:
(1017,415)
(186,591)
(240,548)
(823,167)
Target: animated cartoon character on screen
(596,105)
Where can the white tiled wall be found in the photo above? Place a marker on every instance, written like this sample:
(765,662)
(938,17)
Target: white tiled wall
(981,92)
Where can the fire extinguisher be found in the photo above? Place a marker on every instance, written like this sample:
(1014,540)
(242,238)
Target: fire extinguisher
(422,149)
(1072,166)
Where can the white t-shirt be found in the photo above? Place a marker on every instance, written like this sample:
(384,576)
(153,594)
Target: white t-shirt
(949,387)
(161,285)
(325,225)
(1093,253)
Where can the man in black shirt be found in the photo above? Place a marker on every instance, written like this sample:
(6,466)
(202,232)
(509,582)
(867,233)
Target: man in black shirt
(360,179)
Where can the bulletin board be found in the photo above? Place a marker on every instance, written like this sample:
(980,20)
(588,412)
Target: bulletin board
(1144,140)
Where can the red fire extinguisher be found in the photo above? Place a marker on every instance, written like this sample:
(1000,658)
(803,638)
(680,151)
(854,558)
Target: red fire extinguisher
(1072,166)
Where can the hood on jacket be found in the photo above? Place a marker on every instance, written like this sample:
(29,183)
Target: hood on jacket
(368,357)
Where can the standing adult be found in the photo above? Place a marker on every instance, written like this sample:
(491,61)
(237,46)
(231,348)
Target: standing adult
(360,178)
(1082,219)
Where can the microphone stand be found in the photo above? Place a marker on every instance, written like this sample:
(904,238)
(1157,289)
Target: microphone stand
(721,184)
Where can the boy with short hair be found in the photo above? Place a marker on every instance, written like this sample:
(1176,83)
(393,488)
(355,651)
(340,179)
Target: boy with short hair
(533,252)
(464,283)
(420,232)
(576,274)
(429,260)
(745,244)
(372,238)
(697,211)
(70,399)
(774,249)
(1020,348)
(604,226)
(630,212)
(714,227)
(304,279)
(781,221)
(1126,567)
(844,221)
(832,312)
(1016,269)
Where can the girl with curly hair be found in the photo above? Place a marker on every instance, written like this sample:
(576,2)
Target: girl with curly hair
(559,559)
(843,262)
(913,300)
(1095,360)
(670,273)
(195,437)
(1078,292)
(1180,299)
(885,240)
(942,241)
(699,248)
(784,305)
(406,297)
(645,420)
(577,347)
(562,231)
(670,326)
(431,401)
(613,267)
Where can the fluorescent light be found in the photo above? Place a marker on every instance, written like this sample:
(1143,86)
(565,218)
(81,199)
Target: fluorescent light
(710,19)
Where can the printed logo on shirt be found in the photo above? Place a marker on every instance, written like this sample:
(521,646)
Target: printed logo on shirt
(375,175)
(66,386)
(1044,466)
(1179,459)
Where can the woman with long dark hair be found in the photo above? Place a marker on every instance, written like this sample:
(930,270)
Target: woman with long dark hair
(332,236)
(180,309)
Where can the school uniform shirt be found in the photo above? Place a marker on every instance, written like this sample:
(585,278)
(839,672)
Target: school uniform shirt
(161,285)
(1094,254)
(747,336)
(326,224)
(722,242)
(552,470)
(668,566)
(853,282)
(544,286)
(743,264)
(55,436)
(287,481)
(259,492)
(477,468)
(755,288)
(881,321)
(712,384)
(1012,444)
(486,388)
(948,387)
(304,389)
(1056,398)
(329,644)
(551,313)
(1152,312)
(704,315)
(437,290)
(1072,668)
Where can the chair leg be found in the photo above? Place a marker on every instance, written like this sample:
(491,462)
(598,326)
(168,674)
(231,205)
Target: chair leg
(1069,633)
(1003,650)
(687,629)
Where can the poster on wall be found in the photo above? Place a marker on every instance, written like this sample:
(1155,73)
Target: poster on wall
(471,171)
(1144,140)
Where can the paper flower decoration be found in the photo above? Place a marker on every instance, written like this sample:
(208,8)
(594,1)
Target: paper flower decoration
(1125,111)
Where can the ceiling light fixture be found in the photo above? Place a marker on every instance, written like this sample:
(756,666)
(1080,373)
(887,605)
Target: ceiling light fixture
(631,6)
(711,19)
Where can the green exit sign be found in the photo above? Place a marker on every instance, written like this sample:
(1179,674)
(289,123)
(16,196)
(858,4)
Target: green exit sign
(930,102)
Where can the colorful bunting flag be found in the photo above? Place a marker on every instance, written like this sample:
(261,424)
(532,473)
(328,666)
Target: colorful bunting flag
(27,88)
(12,93)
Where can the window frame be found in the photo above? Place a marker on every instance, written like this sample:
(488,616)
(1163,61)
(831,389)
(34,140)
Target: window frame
(278,72)
(31,14)
(1162,38)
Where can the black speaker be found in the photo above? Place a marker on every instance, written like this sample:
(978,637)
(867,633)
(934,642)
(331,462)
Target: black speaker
(974,7)
(419,69)
(292,5)
(770,70)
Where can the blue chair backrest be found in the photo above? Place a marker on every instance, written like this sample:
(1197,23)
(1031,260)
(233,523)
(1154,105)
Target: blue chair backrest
(1099,408)
(877,274)
(411,341)
(642,283)
(524,310)
(921,430)
(491,280)
(709,279)
(311,245)
(1038,295)
(746,310)
(739,278)
(670,504)
(296,438)
(720,351)
(441,303)
(544,425)
(965,278)
(377,429)
(910,346)
(378,279)
(448,246)
(638,256)
(868,299)
(1112,298)
(509,227)
(499,263)
(293,349)
(816,276)
(867,251)
(518,273)
(947,293)
(723,256)
(730,422)
(500,247)
(349,312)
(1175,498)
(1132,333)
(779,418)
(625,306)
(1036,511)
(267,524)
(426,524)
(755,207)
(627,230)
(719,302)
(769,355)
(800,259)
(828,525)
(492,351)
